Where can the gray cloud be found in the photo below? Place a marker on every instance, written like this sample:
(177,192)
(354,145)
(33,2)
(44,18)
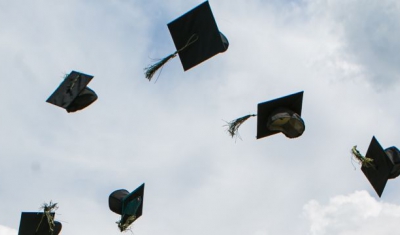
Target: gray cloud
(370,36)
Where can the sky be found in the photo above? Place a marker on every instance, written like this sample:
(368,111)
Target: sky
(169,133)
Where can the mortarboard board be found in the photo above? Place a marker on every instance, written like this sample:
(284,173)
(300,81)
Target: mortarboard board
(199,23)
(384,165)
(73,94)
(196,38)
(34,223)
(128,205)
(274,116)
(281,115)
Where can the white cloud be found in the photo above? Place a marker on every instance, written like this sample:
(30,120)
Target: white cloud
(7,231)
(356,213)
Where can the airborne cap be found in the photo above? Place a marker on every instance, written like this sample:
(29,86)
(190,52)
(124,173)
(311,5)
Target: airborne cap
(40,223)
(279,115)
(73,93)
(128,205)
(196,38)
(34,223)
(383,165)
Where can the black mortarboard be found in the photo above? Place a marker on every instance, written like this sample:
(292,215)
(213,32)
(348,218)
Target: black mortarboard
(200,24)
(128,205)
(274,116)
(34,223)
(196,38)
(385,165)
(283,113)
(73,93)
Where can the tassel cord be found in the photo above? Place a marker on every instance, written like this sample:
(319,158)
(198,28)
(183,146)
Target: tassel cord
(233,126)
(365,161)
(151,70)
(47,209)
(191,40)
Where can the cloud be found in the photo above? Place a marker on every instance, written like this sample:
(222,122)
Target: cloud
(7,231)
(169,134)
(370,36)
(356,213)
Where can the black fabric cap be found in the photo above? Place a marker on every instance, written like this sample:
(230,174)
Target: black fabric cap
(393,154)
(72,94)
(196,36)
(378,174)
(115,200)
(291,102)
(34,223)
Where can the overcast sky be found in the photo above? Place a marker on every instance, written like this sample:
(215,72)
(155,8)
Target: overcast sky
(170,135)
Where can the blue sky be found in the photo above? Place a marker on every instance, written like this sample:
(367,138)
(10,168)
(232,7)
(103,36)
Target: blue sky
(170,134)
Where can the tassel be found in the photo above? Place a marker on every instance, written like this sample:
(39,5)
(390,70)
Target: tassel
(123,226)
(151,70)
(48,209)
(364,161)
(69,90)
(233,126)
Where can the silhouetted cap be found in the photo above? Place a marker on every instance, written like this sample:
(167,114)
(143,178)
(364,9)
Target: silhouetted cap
(196,38)
(281,115)
(383,166)
(34,223)
(128,205)
(274,116)
(197,26)
(73,93)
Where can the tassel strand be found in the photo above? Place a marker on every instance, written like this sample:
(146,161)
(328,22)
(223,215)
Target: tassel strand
(48,209)
(364,161)
(152,69)
(233,126)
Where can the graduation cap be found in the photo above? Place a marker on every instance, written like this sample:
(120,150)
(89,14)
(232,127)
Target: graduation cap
(128,205)
(196,38)
(73,93)
(274,116)
(382,165)
(40,223)
(34,223)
